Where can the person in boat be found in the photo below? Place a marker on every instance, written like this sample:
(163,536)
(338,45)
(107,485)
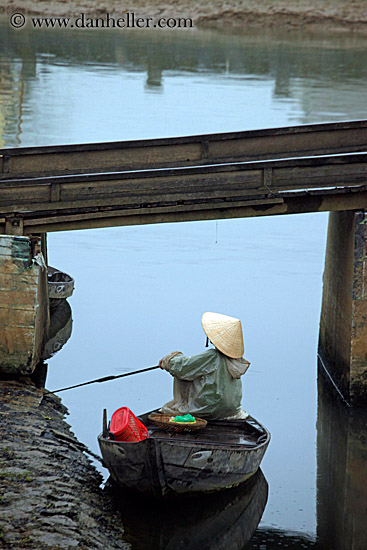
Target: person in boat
(208,385)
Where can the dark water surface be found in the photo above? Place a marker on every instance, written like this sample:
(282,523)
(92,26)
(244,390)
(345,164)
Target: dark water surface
(140,291)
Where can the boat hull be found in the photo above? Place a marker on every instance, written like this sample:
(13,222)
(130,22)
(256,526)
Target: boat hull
(60,284)
(162,466)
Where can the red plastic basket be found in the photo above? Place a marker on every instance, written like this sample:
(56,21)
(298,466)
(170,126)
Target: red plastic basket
(126,427)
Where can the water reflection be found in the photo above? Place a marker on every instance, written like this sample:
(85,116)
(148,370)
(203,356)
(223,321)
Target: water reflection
(267,538)
(60,287)
(341,472)
(59,333)
(224,520)
(11,102)
(154,78)
(61,323)
(283,56)
(281,78)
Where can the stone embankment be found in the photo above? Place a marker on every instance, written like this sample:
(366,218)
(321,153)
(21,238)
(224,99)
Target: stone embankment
(50,491)
(304,15)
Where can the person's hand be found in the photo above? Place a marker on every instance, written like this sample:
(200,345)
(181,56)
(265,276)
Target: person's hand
(164,362)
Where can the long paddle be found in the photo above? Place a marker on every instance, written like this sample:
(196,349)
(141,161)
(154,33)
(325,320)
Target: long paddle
(104,379)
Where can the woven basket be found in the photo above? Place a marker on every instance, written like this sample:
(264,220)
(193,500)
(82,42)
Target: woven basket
(163,421)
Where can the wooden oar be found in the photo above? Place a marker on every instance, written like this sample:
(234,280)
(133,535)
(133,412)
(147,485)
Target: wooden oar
(104,379)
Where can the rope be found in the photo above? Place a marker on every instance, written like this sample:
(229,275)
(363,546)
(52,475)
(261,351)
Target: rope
(100,380)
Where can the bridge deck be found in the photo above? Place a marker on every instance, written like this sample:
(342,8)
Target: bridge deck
(302,169)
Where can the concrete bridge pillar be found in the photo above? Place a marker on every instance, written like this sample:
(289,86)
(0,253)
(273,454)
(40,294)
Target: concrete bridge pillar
(343,324)
(24,311)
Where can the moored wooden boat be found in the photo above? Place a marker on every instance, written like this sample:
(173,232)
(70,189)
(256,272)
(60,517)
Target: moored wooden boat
(60,284)
(224,454)
(23,304)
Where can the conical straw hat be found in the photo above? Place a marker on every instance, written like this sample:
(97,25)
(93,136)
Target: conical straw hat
(225,333)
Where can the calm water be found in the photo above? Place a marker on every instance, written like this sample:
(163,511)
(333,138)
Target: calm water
(140,291)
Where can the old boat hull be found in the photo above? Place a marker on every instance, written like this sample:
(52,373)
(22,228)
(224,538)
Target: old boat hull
(222,455)
(24,316)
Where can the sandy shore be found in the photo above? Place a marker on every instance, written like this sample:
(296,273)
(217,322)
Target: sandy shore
(308,15)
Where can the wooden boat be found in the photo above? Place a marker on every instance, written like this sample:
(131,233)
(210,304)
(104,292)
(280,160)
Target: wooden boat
(23,304)
(224,454)
(60,284)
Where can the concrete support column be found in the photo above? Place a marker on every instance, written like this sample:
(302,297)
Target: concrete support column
(343,324)
(24,310)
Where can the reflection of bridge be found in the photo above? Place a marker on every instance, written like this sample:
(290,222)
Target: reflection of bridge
(266,172)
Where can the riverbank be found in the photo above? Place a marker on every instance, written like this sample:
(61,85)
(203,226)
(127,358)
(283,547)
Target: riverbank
(50,492)
(308,15)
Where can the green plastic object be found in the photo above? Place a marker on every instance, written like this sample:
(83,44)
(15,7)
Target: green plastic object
(185,418)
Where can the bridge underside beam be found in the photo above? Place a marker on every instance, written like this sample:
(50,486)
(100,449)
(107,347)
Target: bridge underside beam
(343,325)
(244,189)
(28,223)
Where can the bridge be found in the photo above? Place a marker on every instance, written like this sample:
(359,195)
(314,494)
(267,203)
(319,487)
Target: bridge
(290,170)
(310,168)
